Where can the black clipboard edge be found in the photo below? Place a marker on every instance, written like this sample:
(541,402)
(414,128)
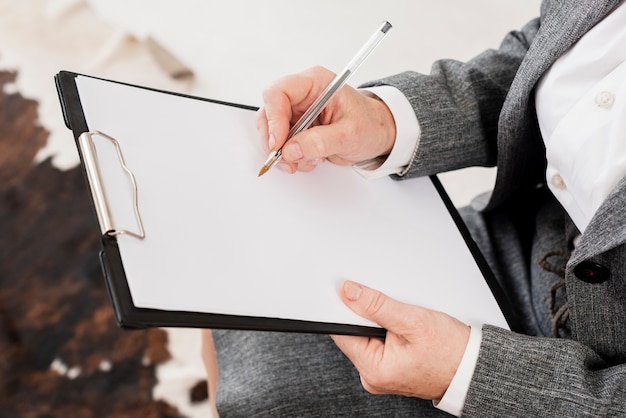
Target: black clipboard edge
(70,102)
(66,85)
(503,301)
(130,317)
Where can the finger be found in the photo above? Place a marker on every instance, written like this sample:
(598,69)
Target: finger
(288,168)
(367,356)
(277,113)
(306,166)
(288,98)
(350,345)
(361,351)
(262,130)
(314,143)
(377,307)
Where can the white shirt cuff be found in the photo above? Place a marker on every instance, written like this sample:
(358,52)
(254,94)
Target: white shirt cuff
(454,398)
(407,135)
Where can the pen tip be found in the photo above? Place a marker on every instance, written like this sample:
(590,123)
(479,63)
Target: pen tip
(263,170)
(269,163)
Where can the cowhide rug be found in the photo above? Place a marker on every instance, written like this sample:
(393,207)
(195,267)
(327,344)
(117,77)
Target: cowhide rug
(61,351)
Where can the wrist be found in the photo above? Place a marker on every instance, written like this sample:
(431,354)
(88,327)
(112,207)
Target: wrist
(384,121)
(453,399)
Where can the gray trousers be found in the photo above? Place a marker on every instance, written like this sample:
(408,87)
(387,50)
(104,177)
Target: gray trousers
(305,375)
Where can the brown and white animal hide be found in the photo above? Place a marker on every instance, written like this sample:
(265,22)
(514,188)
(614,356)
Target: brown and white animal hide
(61,351)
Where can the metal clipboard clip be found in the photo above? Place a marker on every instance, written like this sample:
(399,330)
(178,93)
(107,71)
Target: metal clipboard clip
(90,161)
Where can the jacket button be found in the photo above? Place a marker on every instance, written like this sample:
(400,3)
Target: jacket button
(591,272)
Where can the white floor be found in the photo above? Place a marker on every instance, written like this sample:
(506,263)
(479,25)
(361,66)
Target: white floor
(234,49)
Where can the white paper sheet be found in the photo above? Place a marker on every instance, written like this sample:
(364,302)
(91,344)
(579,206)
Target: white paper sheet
(219,239)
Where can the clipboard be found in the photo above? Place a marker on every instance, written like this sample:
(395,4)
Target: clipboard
(192,238)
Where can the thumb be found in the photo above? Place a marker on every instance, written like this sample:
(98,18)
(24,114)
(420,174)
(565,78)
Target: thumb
(375,306)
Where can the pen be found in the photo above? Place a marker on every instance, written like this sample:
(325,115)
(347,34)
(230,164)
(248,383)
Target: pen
(318,105)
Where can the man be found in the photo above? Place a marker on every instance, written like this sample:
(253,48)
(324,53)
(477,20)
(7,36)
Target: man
(545,109)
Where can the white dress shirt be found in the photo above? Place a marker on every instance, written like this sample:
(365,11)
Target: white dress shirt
(579,102)
(581,108)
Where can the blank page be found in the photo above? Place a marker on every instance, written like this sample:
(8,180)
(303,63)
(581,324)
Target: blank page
(221,240)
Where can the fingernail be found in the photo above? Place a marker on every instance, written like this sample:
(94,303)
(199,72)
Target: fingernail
(352,290)
(293,152)
(271,142)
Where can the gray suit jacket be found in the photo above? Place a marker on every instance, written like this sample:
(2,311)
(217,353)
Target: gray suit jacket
(482,113)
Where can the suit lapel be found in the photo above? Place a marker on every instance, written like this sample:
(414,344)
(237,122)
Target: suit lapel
(562,24)
(607,228)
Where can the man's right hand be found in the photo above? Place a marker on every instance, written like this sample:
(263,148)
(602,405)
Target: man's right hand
(353,127)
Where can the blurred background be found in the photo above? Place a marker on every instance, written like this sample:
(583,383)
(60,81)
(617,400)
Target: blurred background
(225,50)
(235,48)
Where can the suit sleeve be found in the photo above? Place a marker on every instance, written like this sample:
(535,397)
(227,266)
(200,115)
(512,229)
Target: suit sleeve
(458,105)
(518,375)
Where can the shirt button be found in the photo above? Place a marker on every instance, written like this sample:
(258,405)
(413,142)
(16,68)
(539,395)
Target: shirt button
(605,99)
(558,182)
